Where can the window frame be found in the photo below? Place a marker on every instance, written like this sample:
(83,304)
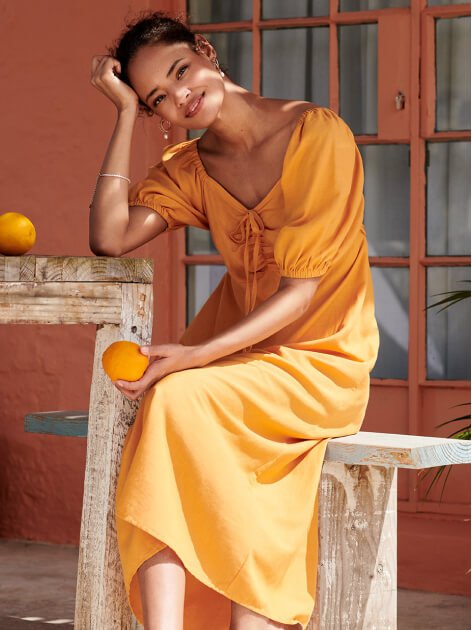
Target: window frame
(414,127)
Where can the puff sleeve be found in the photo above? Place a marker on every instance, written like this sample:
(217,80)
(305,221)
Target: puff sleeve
(172,189)
(322,185)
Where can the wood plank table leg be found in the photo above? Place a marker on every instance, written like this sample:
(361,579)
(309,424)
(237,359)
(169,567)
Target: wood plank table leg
(357,564)
(101,602)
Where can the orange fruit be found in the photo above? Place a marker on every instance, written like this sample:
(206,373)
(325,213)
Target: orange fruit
(122,360)
(17,234)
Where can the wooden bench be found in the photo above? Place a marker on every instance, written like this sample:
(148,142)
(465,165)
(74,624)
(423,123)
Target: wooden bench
(68,423)
(357,564)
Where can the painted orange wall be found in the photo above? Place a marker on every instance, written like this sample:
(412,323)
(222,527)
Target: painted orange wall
(55,128)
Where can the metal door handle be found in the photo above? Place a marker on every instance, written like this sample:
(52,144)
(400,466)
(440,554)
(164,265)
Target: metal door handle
(400,101)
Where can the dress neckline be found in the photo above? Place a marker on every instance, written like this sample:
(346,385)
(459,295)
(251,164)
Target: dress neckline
(203,172)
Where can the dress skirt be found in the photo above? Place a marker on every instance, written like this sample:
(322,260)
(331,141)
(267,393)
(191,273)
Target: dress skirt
(223,464)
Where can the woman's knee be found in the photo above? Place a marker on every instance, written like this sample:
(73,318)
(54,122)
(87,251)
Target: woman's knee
(177,399)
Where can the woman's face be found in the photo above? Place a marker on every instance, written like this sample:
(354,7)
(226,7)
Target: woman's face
(169,78)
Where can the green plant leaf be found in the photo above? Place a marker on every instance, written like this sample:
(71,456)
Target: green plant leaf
(464,432)
(453,420)
(444,484)
(453,297)
(439,470)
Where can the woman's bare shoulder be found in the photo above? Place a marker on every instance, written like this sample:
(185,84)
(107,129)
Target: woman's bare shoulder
(282,115)
(287,109)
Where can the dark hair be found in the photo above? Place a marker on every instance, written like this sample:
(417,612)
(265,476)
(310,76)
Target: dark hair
(148,29)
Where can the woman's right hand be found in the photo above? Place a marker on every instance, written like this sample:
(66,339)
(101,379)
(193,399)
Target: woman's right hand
(103,77)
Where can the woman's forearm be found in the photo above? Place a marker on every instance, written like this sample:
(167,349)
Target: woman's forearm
(109,211)
(278,311)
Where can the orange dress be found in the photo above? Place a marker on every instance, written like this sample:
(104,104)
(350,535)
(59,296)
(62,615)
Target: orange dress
(223,462)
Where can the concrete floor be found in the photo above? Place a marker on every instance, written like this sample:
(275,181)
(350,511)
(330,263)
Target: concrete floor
(37,589)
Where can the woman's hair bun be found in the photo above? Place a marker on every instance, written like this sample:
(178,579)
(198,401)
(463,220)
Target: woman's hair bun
(148,28)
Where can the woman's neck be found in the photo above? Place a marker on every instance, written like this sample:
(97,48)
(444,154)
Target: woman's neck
(239,125)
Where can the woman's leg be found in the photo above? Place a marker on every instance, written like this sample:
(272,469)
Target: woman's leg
(243,618)
(162,587)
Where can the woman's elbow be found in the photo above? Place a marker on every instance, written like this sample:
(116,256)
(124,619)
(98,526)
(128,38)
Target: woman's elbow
(103,250)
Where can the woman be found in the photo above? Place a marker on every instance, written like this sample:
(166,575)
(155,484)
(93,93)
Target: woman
(217,491)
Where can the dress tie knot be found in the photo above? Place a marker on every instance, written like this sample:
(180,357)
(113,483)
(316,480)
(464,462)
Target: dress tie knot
(255,223)
(250,225)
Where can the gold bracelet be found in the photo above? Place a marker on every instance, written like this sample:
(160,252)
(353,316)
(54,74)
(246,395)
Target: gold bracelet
(107,175)
(115,175)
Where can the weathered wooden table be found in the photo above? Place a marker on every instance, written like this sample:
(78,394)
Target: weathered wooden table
(116,295)
(357,573)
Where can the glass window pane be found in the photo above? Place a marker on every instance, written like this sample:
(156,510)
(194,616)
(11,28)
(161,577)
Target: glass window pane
(448,199)
(294,8)
(448,330)
(437,3)
(295,64)
(234,52)
(391,286)
(387,198)
(211,11)
(199,242)
(453,74)
(202,280)
(358,77)
(366,5)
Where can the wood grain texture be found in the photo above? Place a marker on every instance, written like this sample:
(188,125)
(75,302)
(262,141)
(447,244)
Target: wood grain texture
(356,582)
(60,303)
(75,269)
(101,600)
(15,268)
(401,451)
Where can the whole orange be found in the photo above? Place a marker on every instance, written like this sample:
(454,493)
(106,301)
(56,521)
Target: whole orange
(17,234)
(122,360)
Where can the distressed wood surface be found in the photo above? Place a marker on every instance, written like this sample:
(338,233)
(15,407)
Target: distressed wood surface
(60,302)
(115,294)
(401,451)
(357,556)
(67,423)
(75,269)
(101,601)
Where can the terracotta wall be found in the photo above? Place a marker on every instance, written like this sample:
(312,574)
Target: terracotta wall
(55,128)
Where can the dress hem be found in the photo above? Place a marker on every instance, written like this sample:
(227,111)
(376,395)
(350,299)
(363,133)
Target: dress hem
(297,625)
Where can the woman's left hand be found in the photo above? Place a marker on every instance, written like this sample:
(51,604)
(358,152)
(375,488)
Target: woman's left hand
(164,359)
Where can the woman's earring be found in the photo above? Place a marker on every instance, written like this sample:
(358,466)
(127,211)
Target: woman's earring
(217,65)
(165,131)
